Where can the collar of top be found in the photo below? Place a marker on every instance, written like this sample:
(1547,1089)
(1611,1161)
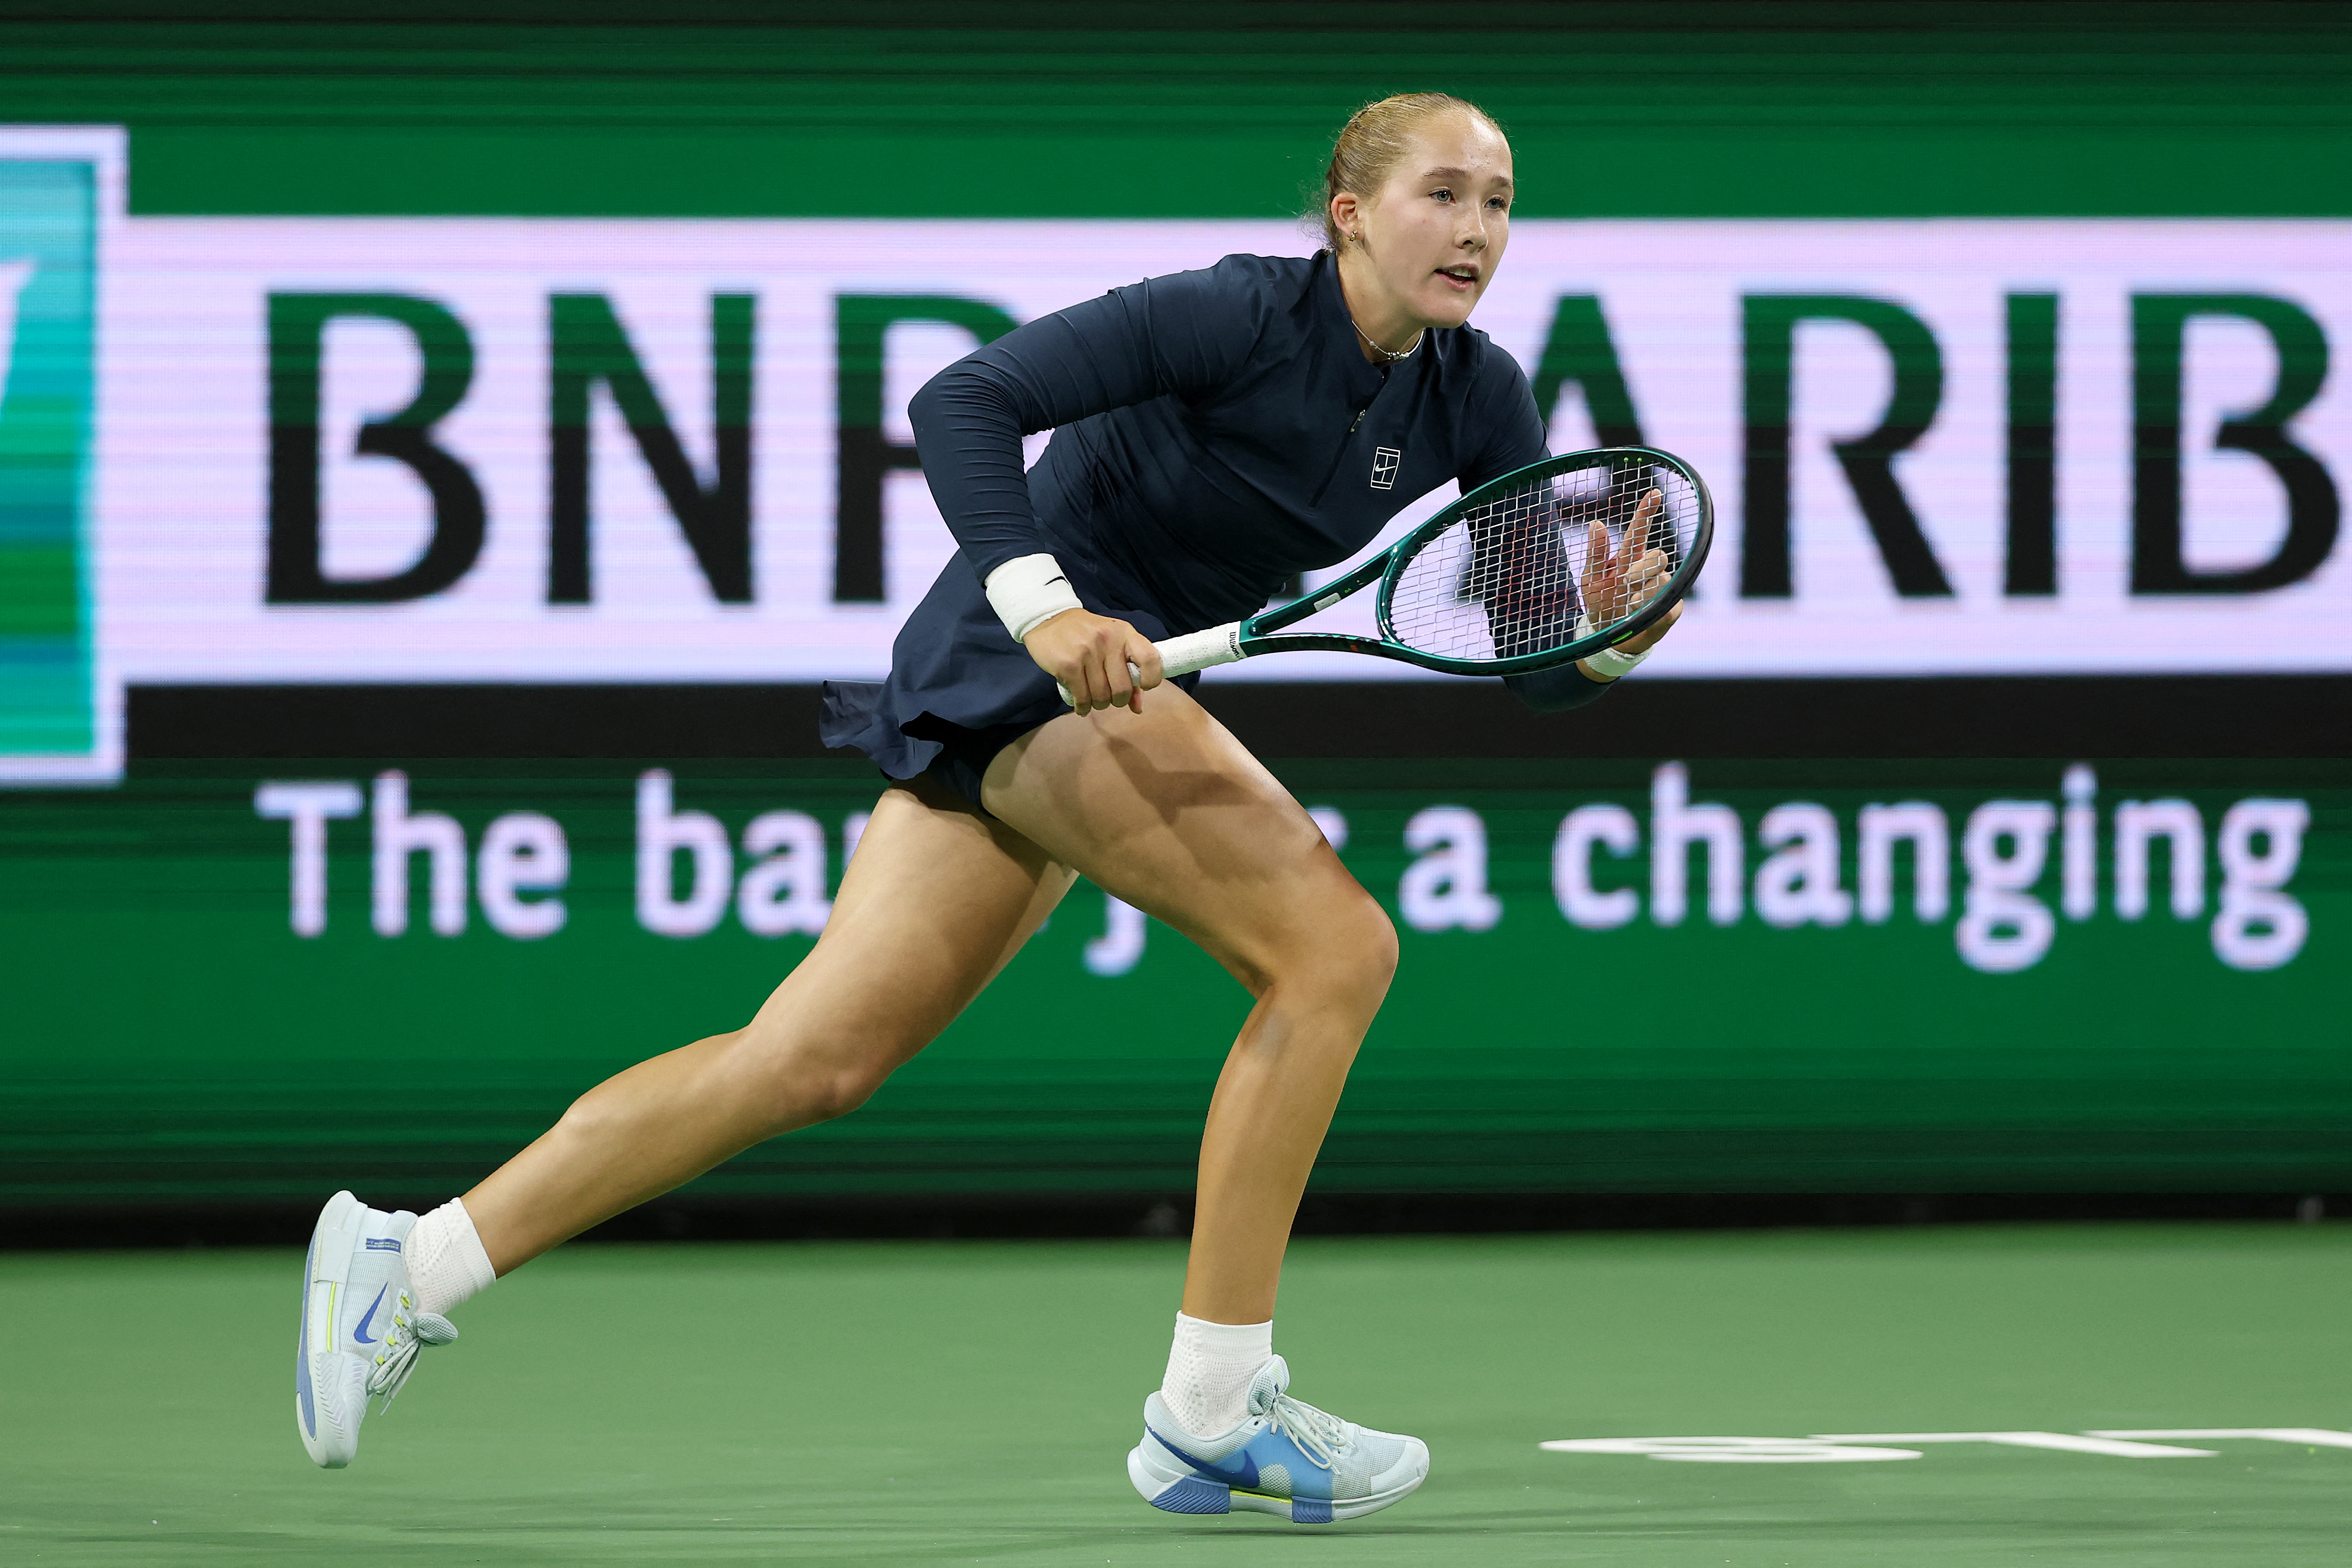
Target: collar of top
(1331,305)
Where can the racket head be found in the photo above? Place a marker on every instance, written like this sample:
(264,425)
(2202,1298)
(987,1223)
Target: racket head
(1549,563)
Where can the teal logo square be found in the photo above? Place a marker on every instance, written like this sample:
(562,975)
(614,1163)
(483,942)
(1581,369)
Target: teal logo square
(50,721)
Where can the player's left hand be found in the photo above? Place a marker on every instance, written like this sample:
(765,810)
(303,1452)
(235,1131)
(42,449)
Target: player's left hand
(1617,581)
(1649,637)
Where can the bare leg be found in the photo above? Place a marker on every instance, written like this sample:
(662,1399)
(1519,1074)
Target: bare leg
(936,901)
(1166,810)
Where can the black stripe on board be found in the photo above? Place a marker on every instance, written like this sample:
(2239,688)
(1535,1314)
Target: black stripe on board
(2090,718)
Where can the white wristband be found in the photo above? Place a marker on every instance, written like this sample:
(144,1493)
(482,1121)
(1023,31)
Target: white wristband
(1028,591)
(1610,664)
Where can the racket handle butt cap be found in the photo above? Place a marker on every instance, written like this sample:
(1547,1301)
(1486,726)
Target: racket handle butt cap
(1192,650)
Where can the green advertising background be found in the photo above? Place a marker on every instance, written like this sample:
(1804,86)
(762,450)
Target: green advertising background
(171,1033)
(1222,108)
(164,1033)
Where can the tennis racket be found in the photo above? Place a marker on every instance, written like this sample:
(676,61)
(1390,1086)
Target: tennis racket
(1540,567)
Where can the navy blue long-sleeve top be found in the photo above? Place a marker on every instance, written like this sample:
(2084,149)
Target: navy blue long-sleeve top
(1214,433)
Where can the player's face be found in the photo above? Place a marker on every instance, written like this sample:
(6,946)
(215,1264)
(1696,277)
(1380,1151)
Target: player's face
(1436,231)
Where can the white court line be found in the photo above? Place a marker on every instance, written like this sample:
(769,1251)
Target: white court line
(2309,1437)
(2100,1444)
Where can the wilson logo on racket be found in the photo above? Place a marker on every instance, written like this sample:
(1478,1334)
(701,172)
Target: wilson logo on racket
(1384,468)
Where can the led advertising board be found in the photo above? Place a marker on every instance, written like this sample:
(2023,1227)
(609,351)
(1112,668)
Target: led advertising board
(455,450)
(244,456)
(1804,974)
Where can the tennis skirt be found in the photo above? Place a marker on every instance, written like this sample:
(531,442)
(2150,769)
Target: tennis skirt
(961,689)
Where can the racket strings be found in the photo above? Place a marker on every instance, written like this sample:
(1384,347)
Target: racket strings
(1529,572)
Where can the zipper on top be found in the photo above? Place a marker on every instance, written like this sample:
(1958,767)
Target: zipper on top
(1345,443)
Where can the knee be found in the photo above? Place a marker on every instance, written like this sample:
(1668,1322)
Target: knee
(604,1117)
(823,1093)
(1371,940)
(798,1083)
(1353,956)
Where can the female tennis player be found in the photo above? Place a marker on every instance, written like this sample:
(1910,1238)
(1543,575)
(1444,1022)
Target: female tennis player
(1215,432)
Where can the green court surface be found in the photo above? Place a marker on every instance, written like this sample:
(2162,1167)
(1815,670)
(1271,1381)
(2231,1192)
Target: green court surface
(956,1402)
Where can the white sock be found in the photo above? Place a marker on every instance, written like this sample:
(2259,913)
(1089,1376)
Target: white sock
(1209,1371)
(446,1265)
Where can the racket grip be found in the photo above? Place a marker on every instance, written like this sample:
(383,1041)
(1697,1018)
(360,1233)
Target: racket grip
(1200,650)
(1192,650)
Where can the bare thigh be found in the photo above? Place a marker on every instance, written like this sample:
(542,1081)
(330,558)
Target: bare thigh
(1167,810)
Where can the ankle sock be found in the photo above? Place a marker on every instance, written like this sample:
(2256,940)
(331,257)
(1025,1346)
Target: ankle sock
(1209,1371)
(446,1265)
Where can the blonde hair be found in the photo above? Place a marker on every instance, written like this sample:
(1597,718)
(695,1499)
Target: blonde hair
(1375,139)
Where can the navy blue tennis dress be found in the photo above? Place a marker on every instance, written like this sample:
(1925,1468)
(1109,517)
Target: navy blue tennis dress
(1214,433)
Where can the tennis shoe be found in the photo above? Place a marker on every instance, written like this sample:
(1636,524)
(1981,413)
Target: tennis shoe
(361,1331)
(1286,1458)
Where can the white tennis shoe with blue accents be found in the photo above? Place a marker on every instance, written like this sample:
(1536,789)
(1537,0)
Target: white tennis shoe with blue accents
(1287,1458)
(359,1332)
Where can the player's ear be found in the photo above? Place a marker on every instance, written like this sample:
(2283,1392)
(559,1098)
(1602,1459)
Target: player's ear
(1347,214)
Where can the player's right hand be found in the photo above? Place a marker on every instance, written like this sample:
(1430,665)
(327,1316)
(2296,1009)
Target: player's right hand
(1089,655)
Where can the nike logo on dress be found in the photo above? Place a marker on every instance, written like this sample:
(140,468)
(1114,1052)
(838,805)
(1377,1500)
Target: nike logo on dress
(359,1331)
(1245,1478)
(1051,581)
